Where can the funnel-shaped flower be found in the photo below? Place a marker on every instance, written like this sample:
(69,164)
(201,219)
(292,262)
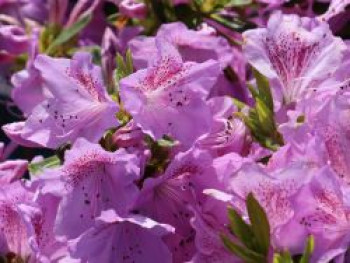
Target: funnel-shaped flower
(123,239)
(298,52)
(168,98)
(77,106)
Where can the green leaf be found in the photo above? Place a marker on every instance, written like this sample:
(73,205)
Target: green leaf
(37,167)
(241,229)
(107,141)
(220,4)
(284,257)
(70,32)
(235,25)
(247,255)
(265,117)
(269,144)
(309,248)
(259,224)
(264,89)
(254,122)
(121,67)
(277,258)
(124,66)
(238,3)
(260,120)
(128,62)
(48,35)
(239,104)
(253,91)
(167,142)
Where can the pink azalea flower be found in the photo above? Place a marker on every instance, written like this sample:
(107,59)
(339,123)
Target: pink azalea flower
(132,238)
(272,190)
(77,106)
(129,136)
(323,212)
(168,98)
(197,46)
(2,149)
(209,245)
(93,180)
(228,133)
(331,124)
(272,193)
(166,198)
(13,42)
(12,170)
(28,90)
(209,222)
(14,131)
(13,234)
(27,9)
(311,152)
(298,52)
(39,219)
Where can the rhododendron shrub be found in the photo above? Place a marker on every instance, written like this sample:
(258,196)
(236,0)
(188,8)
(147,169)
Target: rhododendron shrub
(141,131)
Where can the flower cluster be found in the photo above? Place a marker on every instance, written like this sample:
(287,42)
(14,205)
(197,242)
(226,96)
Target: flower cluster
(175,131)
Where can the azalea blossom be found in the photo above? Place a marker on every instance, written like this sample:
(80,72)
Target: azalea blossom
(298,52)
(88,182)
(13,233)
(76,101)
(168,198)
(175,131)
(197,46)
(168,98)
(119,243)
(324,212)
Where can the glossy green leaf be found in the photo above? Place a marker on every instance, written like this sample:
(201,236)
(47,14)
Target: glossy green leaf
(259,224)
(70,32)
(235,25)
(269,144)
(264,89)
(253,91)
(283,257)
(260,120)
(37,167)
(124,66)
(239,104)
(241,229)
(265,117)
(309,248)
(239,3)
(121,67)
(247,255)
(128,62)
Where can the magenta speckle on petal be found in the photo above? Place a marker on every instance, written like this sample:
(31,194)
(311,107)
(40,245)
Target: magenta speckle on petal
(174,131)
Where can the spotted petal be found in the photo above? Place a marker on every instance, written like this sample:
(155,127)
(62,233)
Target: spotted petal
(76,103)
(299,52)
(94,180)
(168,97)
(123,239)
